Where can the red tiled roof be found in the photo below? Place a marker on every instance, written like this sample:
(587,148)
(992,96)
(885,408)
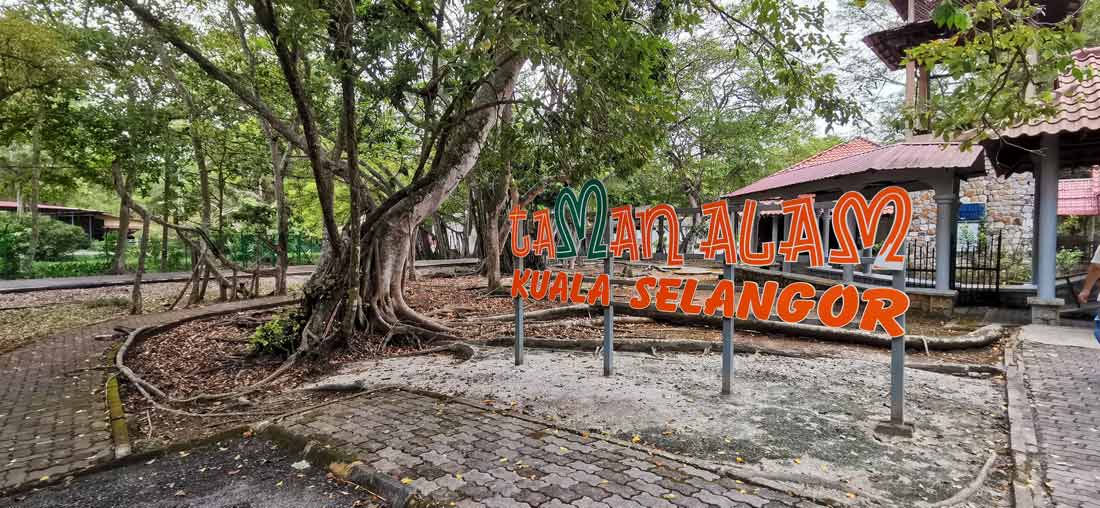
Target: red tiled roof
(1078,102)
(1080,196)
(900,156)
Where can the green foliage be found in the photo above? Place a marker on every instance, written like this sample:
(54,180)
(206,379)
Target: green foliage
(1068,260)
(33,57)
(68,268)
(55,238)
(14,241)
(280,335)
(996,53)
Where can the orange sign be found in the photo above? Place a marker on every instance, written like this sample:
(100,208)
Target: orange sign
(837,306)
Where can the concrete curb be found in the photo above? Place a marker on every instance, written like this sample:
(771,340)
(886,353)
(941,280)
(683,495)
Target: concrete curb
(120,433)
(1027,479)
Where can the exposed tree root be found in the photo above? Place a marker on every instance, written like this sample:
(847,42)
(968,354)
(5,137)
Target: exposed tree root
(970,489)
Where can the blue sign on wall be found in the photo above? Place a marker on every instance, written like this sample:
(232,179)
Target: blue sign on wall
(972,211)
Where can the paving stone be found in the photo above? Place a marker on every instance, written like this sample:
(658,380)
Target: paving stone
(52,399)
(1061,382)
(536,473)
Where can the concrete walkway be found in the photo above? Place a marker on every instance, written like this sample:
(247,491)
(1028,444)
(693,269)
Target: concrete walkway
(28,285)
(459,453)
(96,281)
(53,418)
(1061,372)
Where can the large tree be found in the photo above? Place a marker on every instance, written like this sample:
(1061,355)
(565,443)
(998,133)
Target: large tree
(448,71)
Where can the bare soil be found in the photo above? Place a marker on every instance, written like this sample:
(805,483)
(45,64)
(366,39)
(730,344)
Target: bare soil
(27,317)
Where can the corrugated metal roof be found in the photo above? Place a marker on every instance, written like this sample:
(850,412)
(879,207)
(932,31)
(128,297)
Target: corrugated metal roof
(1080,196)
(6,205)
(1078,102)
(854,146)
(900,156)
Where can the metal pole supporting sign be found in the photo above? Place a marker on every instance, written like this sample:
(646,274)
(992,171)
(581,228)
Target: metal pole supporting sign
(727,322)
(519,317)
(897,425)
(608,316)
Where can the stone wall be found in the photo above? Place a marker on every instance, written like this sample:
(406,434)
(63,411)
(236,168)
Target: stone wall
(1009,204)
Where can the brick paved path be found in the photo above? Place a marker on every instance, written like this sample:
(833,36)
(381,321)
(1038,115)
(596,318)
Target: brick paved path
(53,417)
(472,456)
(1064,391)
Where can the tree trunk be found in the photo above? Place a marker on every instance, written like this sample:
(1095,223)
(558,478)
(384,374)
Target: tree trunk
(143,248)
(36,176)
(387,232)
(166,212)
(118,265)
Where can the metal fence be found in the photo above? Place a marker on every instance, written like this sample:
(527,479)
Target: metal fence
(977,274)
(978,271)
(247,248)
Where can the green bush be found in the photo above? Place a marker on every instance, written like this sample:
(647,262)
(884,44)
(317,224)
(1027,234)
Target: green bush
(13,246)
(55,238)
(280,335)
(1068,259)
(71,268)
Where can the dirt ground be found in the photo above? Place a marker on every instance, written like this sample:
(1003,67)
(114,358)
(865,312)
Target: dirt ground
(26,317)
(787,416)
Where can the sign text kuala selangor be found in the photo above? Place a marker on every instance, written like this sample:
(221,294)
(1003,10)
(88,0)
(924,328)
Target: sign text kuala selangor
(562,234)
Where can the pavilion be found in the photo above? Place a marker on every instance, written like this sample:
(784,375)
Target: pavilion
(1067,140)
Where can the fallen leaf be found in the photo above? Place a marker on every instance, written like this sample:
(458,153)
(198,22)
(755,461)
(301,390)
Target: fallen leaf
(406,481)
(636,439)
(301,465)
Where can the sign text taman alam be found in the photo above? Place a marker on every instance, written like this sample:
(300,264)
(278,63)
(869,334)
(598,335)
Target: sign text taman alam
(562,234)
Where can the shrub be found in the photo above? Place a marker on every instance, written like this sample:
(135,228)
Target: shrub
(280,335)
(13,246)
(55,238)
(72,268)
(1068,260)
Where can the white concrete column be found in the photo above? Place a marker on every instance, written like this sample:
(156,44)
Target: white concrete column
(945,223)
(826,232)
(850,270)
(775,233)
(786,266)
(1046,200)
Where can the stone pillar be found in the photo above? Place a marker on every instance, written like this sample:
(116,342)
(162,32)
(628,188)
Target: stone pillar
(945,224)
(826,232)
(1044,307)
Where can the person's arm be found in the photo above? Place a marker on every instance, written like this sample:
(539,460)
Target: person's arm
(1091,278)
